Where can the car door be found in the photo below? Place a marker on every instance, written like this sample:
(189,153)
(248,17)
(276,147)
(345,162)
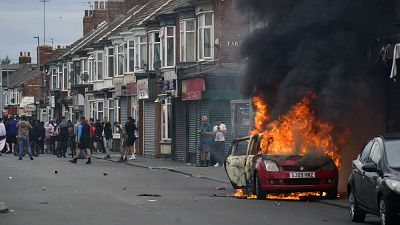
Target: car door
(236,161)
(357,172)
(370,178)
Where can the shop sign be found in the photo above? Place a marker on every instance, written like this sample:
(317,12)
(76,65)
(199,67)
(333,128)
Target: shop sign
(143,89)
(27,100)
(191,89)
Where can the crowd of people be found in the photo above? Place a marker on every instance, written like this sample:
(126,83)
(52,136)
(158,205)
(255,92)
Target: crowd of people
(21,135)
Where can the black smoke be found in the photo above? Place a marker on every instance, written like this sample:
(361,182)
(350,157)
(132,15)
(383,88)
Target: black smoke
(319,46)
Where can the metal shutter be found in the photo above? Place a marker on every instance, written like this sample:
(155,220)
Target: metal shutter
(180,134)
(196,109)
(220,110)
(149,128)
(123,110)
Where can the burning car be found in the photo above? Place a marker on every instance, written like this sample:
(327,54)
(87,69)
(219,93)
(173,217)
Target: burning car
(262,174)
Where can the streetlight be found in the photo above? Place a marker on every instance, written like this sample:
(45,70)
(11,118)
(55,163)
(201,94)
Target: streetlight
(44,20)
(37,50)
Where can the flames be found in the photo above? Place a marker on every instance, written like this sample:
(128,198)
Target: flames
(239,193)
(297,132)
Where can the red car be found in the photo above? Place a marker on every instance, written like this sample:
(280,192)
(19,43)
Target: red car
(273,173)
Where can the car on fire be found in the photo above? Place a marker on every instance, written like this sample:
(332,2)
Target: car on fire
(262,174)
(374,184)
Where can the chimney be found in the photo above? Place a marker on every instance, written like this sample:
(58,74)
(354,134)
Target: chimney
(24,58)
(115,8)
(92,18)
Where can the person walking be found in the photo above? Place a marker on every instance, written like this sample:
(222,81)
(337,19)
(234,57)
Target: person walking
(3,134)
(219,150)
(71,138)
(42,136)
(130,128)
(98,137)
(123,141)
(107,137)
(53,135)
(63,138)
(206,138)
(23,127)
(11,130)
(83,139)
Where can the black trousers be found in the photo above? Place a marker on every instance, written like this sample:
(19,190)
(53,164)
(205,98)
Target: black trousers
(219,152)
(62,146)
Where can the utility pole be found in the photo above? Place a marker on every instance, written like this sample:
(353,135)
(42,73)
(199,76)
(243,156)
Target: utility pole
(44,20)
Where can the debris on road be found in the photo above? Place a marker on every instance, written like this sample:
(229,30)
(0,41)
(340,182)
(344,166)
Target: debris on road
(124,188)
(55,171)
(105,173)
(3,208)
(220,188)
(151,200)
(10,178)
(149,195)
(43,203)
(43,188)
(277,203)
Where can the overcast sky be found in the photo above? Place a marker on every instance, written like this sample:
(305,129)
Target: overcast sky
(21,20)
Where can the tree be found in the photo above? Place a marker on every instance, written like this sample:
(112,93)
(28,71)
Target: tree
(5,61)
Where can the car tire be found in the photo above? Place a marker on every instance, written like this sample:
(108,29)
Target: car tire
(385,217)
(261,194)
(331,194)
(355,212)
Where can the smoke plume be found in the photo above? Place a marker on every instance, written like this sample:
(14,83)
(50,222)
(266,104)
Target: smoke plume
(319,46)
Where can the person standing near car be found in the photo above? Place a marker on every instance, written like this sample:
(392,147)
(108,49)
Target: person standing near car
(83,140)
(219,150)
(23,127)
(206,138)
(107,137)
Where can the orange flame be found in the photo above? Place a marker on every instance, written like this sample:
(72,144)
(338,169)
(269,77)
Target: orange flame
(240,194)
(297,132)
(295,196)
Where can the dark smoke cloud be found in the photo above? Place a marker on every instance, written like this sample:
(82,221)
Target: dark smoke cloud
(315,45)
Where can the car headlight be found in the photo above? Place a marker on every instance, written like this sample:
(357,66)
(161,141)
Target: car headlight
(393,185)
(271,166)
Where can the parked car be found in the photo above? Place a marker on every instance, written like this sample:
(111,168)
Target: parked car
(278,173)
(374,184)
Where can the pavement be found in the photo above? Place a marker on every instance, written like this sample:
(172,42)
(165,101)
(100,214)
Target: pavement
(217,174)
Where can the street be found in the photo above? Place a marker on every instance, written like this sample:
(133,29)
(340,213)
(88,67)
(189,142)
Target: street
(50,190)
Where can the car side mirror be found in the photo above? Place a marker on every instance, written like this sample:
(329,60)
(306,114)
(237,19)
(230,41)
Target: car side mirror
(370,167)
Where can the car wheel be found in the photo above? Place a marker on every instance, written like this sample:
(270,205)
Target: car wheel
(331,194)
(385,216)
(261,194)
(356,214)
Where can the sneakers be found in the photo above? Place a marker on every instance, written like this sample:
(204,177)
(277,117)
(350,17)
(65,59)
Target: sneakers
(89,161)
(217,165)
(132,157)
(125,160)
(31,157)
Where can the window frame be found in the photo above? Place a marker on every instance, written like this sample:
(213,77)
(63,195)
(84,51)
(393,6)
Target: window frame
(140,45)
(152,43)
(119,54)
(110,58)
(201,18)
(164,45)
(183,33)
(130,58)
(99,63)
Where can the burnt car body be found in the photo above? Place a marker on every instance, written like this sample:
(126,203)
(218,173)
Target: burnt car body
(374,184)
(273,173)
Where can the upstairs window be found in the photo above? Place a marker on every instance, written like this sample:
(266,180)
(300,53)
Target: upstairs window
(77,74)
(60,77)
(154,50)
(110,61)
(141,53)
(99,74)
(65,77)
(206,36)
(131,56)
(54,79)
(188,40)
(120,60)
(168,46)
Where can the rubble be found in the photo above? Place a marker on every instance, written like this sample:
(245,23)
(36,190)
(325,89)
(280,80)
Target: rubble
(3,208)
(149,195)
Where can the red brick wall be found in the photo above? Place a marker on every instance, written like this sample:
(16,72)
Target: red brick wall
(32,88)
(231,27)
(114,10)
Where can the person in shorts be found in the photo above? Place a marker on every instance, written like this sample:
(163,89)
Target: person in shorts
(206,139)
(83,138)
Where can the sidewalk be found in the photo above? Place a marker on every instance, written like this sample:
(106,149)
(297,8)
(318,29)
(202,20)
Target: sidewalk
(209,173)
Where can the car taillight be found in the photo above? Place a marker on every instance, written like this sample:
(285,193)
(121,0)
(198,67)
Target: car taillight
(271,166)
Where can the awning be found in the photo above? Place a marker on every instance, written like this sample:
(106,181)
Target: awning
(191,89)
(161,97)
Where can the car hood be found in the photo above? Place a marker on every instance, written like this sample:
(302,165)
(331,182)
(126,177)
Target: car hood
(299,160)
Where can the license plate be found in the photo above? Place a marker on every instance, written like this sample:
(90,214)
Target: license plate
(302,175)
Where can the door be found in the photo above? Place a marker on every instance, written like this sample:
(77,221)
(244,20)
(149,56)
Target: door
(357,172)
(235,163)
(370,178)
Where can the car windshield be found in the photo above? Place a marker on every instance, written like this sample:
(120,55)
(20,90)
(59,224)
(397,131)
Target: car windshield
(241,148)
(393,153)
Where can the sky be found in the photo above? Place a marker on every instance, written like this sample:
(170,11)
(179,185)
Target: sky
(21,20)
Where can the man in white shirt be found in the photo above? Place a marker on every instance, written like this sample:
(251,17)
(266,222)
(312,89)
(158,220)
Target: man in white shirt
(219,150)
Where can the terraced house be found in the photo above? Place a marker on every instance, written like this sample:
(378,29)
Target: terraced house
(163,62)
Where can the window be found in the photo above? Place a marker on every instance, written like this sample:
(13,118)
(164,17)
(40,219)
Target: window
(154,50)
(91,68)
(54,79)
(110,56)
(376,153)
(100,111)
(99,66)
(131,56)
(60,77)
(65,77)
(393,153)
(366,151)
(120,60)
(70,74)
(205,36)
(240,148)
(168,46)
(77,69)
(111,113)
(141,53)
(84,71)
(187,40)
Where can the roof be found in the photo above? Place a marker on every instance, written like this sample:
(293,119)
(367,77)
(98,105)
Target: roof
(26,72)
(11,66)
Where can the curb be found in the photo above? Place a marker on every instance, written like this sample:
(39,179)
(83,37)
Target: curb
(167,169)
(3,208)
(325,202)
